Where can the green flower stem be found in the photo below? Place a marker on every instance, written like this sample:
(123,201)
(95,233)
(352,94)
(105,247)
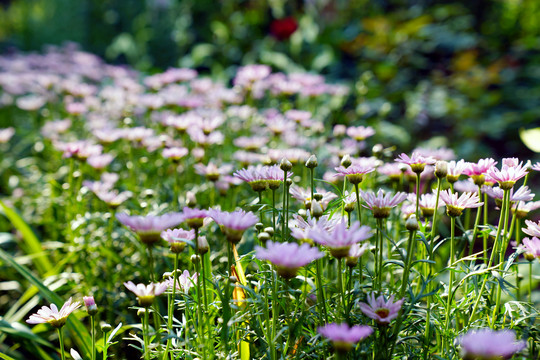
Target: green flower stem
(171,307)
(358,207)
(476,223)
(105,345)
(408,262)
(146,335)
(226,298)
(380,252)
(485,244)
(312,181)
(518,241)
(429,268)
(450,264)
(275,310)
(341,290)
(417,212)
(199,291)
(530,282)
(61,340)
(349,288)
(151,263)
(491,258)
(320,290)
(274,210)
(93,332)
(260,208)
(285,212)
(504,244)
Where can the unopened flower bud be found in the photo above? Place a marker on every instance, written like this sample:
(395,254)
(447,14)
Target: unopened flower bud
(312,162)
(318,196)
(191,200)
(269,230)
(288,182)
(264,237)
(195,259)
(90,304)
(303,212)
(377,149)
(316,209)
(106,327)
(203,245)
(412,223)
(349,207)
(285,165)
(346,161)
(259,226)
(141,312)
(441,169)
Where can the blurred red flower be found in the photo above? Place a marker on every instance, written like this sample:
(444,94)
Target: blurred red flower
(282,29)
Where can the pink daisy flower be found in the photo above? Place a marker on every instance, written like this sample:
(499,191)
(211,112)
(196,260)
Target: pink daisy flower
(340,239)
(146,293)
(149,228)
(288,257)
(416,161)
(381,310)
(487,344)
(233,224)
(455,205)
(57,318)
(507,176)
(382,203)
(343,336)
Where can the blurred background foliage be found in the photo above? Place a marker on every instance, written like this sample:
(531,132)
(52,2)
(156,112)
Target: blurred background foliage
(454,73)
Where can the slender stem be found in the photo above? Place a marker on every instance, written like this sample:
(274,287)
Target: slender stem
(199,290)
(493,252)
(274,210)
(61,340)
(93,330)
(151,263)
(485,224)
(311,176)
(381,240)
(146,335)
(450,264)
(476,223)
(275,308)
(171,308)
(408,261)
(320,290)
(284,215)
(105,345)
(358,207)
(260,208)
(418,196)
(504,244)
(530,282)
(340,286)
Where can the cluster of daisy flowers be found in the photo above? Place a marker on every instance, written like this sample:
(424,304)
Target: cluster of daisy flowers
(266,206)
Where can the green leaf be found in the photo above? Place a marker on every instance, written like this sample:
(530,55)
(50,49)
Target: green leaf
(79,333)
(531,138)
(32,245)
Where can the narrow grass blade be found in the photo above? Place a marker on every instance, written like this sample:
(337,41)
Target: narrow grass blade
(32,245)
(79,333)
